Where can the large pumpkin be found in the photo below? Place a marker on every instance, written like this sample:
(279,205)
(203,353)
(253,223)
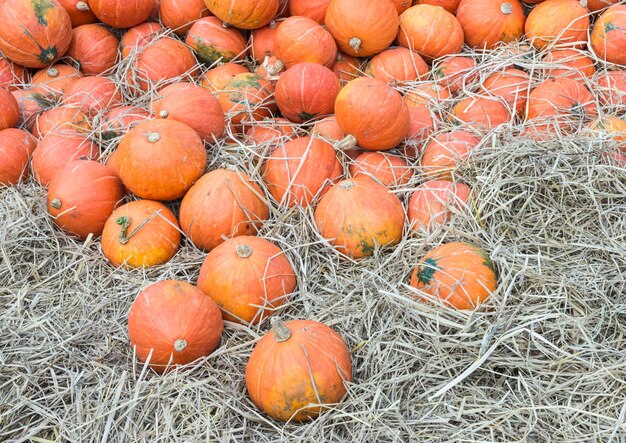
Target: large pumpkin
(9,110)
(313,9)
(82,196)
(79,12)
(173,323)
(486,23)
(511,85)
(373,113)
(215,43)
(179,15)
(12,76)
(222,203)
(611,88)
(138,37)
(460,275)
(397,66)
(55,80)
(248,277)
(481,112)
(455,73)
(362,28)
(434,202)
(122,13)
(216,79)
(569,63)
(555,22)
(117,121)
(262,42)
(142,233)
(296,367)
(300,39)
(390,170)
(93,95)
(247,97)
(359,215)
(244,14)
(94,47)
(16,147)
(34,33)
(60,118)
(443,153)
(346,68)
(429,94)
(608,38)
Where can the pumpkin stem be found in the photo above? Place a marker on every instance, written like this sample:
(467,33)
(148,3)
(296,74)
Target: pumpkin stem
(53,72)
(346,185)
(82,6)
(355,43)
(506,8)
(583,3)
(347,143)
(281,331)
(56,203)
(154,137)
(163,114)
(243,251)
(180,345)
(124,222)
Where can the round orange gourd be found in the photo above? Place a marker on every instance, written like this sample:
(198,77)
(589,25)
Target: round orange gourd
(9,110)
(214,43)
(481,112)
(79,12)
(262,42)
(122,13)
(117,121)
(16,147)
(611,88)
(247,97)
(93,95)
(555,22)
(313,9)
(614,127)
(487,23)
(608,37)
(179,15)
(428,94)
(31,103)
(569,63)
(94,47)
(596,5)
(300,39)
(328,129)
(216,79)
(346,68)
(270,132)
(60,118)
(138,37)
(449,5)
(443,153)
(56,79)
(421,126)
(455,73)
(244,14)
(397,66)
(511,85)
(12,76)
(390,170)
(434,202)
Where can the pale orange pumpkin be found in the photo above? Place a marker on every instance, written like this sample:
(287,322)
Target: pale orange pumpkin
(94,47)
(390,170)
(397,66)
(434,202)
(217,78)
(244,14)
(481,113)
(487,23)
(179,15)
(60,118)
(346,68)
(300,39)
(614,127)
(444,152)
(554,22)
(569,63)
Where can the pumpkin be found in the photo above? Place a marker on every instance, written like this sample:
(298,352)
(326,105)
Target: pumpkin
(487,23)
(397,66)
(611,88)
(138,37)
(296,368)
(179,15)
(460,275)
(216,79)
(361,28)
(328,129)
(16,146)
(283,9)
(358,215)
(421,126)
(93,95)
(31,103)
(455,73)
(596,5)
(444,152)
(94,47)
(55,80)
(301,170)
(346,68)
(12,76)
(390,170)
(300,39)
(313,9)
(429,94)
(160,159)
(57,149)
(173,323)
(569,63)
(142,233)
(9,110)
(248,277)
(244,14)
(34,33)
(415,32)
(554,22)
(608,38)
(117,121)
(82,196)
(270,69)
(612,126)
(434,202)
(481,112)
(79,12)
(402,5)
(122,13)
(222,203)
(60,118)
(270,132)
(373,113)
(262,42)
(449,5)
(511,86)
(215,43)
(247,97)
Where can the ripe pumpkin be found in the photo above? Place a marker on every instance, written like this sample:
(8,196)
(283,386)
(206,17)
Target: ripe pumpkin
(390,170)
(455,73)
(222,203)
(434,202)
(122,13)
(117,121)
(247,97)
(596,5)
(60,118)
(511,85)
(55,80)
(270,132)
(362,29)
(481,113)
(82,196)
(460,275)
(612,126)
(244,14)
(172,323)
(449,5)
(160,159)
(93,95)
(142,233)
(297,366)
(421,126)
(216,79)
(215,43)
(248,277)
(429,94)
(79,12)
(346,68)
(569,63)
(9,110)
(554,22)
(443,153)
(313,9)
(31,103)
(12,76)
(94,47)
(358,215)
(300,39)
(138,37)
(328,129)
(487,23)
(179,15)
(611,88)
(34,34)
(397,66)
(262,42)
(608,38)
(415,32)
(402,5)
(16,147)
(373,113)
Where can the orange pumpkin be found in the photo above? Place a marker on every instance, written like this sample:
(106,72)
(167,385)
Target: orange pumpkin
(481,112)
(270,69)
(460,275)
(362,29)
(346,68)
(222,203)
(214,43)
(359,215)
(296,367)
(569,63)
(31,103)
(554,22)
(34,34)
(93,95)
(449,5)
(172,323)
(244,14)
(608,38)
(82,196)
(421,126)
(12,76)
(511,86)
(117,121)
(142,233)
(79,12)
(179,15)
(373,113)
(55,80)
(247,97)
(16,146)
(94,47)
(300,39)
(611,88)
(443,153)
(487,23)
(60,118)
(248,277)
(455,73)
(434,202)
(428,94)
(262,42)
(9,110)
(390,170)
(596,5)
(328,129)
(138,37)
(397,66)
(216,79)
(402,5)
(415,32)
(612,126)
(313,9)
(122,13)
(270,132)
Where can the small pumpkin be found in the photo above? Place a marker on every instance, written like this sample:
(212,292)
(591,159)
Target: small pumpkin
(608,37)
(244,14)
(460,275)
(390,170)
(214,43)
(569,63)
(179,15)
(434,202)
(60,118)
(611,88)
(313,9)
(455,73)
(346,68)
(117,121)
(94,47)
(55,80)
(93,95)
(248,277)
(216,79)
(487,23)
(262,42)
(79,12)
(138,37)
(397,66)
(481,113)
(122,13)
(9,110)
(449,5)
(554,22)
(31,103)
(247,97)
(444,152)
(12,76)
(296,367)
(300,39)
(16,147)
(511,85)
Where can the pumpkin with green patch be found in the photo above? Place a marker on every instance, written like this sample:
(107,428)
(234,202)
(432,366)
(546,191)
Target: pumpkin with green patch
(247,97)
(608,38)
(212,42)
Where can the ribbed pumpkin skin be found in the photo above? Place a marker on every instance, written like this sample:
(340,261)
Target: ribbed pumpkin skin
(569,63)
(328,129)
(511,85)
(433,203)
(93,95)
(390,170)
(244,273)
(555,22)
(461,275)
(611,88)
(9,110)
(373,112)
(244,14)
(247,97)
(278,375)
(346,68)
(60,118)
(12,76)
(55,80)
(362,28)
(137,37)
(270,132)
(481,113)
(455,73)
(122,13)
(16,147)
(34,33)
(444,152)
(150,230)
(117,121)
(305,91)
(608,38)
(301,169)
(313,9)
(79,12)
(414,33)
(179,15)
(262,42)
(300,39)
(222,203)
(397,66)
(359,214)
(449,5)
(212,42)
(31,103)
(421,125)
(216,79)
(486,23)
(94,47)
(82,196)
(426,94)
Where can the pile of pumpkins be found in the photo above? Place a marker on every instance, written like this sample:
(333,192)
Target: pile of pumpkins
(114,105)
